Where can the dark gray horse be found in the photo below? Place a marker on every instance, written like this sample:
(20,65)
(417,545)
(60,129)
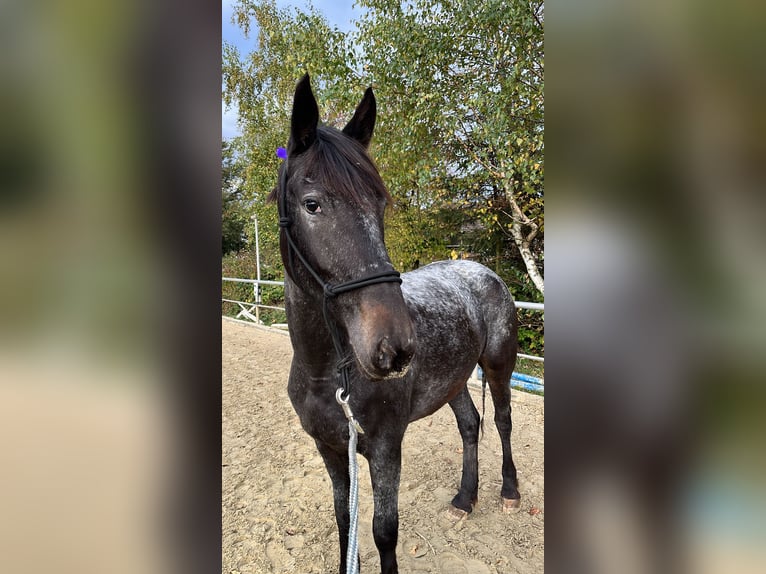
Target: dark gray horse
(408,349)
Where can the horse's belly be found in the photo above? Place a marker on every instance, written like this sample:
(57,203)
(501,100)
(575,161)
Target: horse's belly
(436,384)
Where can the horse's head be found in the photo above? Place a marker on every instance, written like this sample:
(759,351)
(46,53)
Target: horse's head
(333,200)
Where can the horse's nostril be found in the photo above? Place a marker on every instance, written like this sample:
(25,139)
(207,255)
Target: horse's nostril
(386,355)
(392,358)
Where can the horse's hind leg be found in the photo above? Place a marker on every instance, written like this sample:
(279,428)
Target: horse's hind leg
(498,375)
(468,423)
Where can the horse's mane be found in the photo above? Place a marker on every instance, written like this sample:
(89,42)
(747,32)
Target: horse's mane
(342,167)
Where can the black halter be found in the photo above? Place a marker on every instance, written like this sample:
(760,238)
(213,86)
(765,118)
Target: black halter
(329,290)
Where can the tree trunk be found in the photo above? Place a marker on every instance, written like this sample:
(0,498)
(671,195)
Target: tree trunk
(523,241)
(527,256)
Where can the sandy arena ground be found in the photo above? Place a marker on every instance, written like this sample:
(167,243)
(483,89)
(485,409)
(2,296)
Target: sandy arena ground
(277,498)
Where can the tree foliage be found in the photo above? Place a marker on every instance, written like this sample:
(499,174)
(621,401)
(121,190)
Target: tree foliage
(262,83)
(462,119)
(459,139)
(234,208)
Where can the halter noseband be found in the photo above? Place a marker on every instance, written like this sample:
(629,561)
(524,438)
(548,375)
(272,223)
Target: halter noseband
(328,289)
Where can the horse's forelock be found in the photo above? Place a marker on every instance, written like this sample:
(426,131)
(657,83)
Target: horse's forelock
(343,167)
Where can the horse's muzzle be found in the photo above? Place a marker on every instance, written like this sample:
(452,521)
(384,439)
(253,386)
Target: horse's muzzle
(382,334)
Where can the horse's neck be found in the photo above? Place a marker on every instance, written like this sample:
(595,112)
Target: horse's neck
(310,336)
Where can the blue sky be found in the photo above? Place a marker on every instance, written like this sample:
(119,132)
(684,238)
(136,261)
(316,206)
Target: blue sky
(338,13)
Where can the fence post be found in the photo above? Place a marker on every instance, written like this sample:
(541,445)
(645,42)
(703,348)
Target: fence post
(257,286)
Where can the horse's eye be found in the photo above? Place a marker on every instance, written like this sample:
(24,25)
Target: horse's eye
(312,206)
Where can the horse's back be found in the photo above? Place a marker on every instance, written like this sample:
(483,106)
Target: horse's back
(448,288)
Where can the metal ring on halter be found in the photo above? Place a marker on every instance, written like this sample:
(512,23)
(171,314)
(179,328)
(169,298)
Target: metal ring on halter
(343,402)
(347,409)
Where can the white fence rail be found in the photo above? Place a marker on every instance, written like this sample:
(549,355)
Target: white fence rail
(251,310)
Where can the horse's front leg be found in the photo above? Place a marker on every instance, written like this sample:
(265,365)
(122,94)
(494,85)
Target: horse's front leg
(337,467)
(385,470)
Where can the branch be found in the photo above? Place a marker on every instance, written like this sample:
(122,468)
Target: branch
(535,228)
(537,18)
(487,165)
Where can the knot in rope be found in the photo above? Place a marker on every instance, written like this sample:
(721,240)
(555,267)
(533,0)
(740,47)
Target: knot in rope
(344,363)
(329,290)
(284,222)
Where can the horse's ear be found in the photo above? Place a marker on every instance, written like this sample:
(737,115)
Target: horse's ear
(303,125)
(363,123)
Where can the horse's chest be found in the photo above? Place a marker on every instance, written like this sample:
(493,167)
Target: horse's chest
(320,415)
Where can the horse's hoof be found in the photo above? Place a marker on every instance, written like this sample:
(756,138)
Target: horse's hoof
(511,505)
(456,514)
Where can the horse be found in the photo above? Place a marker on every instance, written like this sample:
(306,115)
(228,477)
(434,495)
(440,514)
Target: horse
(407,344)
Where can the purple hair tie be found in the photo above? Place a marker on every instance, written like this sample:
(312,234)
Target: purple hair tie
(281,153)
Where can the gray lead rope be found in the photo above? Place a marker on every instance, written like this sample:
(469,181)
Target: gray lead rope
(354,428)
(352,552)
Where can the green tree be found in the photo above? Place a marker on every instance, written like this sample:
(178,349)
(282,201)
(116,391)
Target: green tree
(462,117)
(459,139)
(262,83)
(233,211)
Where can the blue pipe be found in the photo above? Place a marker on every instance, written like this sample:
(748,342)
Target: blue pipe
(522,381)
(526,378)
(527,386)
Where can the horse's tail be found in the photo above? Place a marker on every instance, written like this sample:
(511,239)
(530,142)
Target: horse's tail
(483,402)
